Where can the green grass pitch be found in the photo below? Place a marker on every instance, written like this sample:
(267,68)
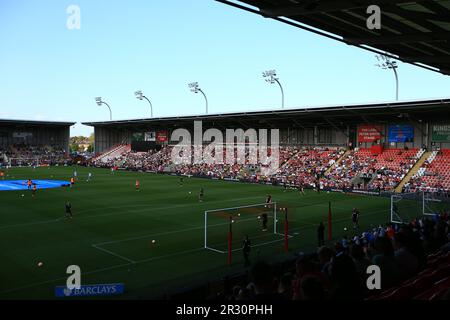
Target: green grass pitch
(110,236)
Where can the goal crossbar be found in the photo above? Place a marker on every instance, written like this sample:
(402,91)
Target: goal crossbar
(272,207)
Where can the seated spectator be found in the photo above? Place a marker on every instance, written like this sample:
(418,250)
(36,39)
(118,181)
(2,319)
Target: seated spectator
(312,289)
(407,263)
(263,279)
(384,258)
(345,282)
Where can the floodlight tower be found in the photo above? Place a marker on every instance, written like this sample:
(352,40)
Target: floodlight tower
(139,95)
(196,89)
(100,102)
(271,77)
(386,63)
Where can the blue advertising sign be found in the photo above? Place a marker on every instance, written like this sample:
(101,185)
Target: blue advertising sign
(91,290)
(401,133)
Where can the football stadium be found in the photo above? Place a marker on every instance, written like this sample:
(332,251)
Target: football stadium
(347,201)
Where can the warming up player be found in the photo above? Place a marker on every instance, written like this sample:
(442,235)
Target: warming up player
(138,185)
(301,189)
(33,193)
(69,210)
(355,218)
(200,195)
(264,216)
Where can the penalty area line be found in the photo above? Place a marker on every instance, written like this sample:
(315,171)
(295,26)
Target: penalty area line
(113,254)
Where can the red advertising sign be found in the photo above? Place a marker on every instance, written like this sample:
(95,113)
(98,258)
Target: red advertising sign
(161,136)
(369,133)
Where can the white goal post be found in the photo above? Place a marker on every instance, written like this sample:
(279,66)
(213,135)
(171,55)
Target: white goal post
(407,206)
(245,221)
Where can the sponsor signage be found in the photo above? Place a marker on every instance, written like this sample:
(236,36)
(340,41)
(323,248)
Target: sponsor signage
(150,136)
(440,133)
(369,133)
(162,136)
(401,133)
(91,290)
(22,135)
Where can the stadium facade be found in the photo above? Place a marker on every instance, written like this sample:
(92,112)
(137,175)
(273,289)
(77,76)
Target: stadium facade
(412,124)
(34,133)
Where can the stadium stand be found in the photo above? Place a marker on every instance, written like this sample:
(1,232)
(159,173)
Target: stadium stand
(434,175)
(113,153)
(385,170)
(299,166)
(25,155)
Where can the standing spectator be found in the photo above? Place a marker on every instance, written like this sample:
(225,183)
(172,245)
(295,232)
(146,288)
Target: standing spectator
(321,234)
(246,248)
(406,261)
(384,258)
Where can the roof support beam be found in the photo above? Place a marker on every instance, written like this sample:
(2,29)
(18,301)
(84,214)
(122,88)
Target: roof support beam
(321,6)
(405,38)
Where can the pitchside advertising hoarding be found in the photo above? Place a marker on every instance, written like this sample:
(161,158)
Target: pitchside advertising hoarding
(440,133)
(369,133)
(401,133)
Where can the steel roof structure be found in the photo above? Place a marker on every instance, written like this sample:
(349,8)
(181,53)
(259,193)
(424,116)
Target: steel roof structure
(416,32)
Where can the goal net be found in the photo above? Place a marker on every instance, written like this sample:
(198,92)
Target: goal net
(408,206)
(262,223)
(435,203)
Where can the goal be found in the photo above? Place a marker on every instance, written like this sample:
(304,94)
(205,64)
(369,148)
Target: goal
(408,206)
(244,221)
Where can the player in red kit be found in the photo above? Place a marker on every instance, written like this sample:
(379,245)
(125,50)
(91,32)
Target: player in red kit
(138,185)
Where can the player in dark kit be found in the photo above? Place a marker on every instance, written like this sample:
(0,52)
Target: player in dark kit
(200,195)
(246,248)
(34,190)
(355,218)
(264,219)
(301,189)
(69,210)
(321,234)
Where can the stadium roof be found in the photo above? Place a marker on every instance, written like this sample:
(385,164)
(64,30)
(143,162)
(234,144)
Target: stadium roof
(416,32)
(34,122)
(423,110)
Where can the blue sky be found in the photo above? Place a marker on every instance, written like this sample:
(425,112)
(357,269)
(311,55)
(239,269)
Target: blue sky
(52,73)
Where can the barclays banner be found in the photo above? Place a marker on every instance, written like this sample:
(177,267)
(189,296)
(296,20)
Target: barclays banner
(91,290)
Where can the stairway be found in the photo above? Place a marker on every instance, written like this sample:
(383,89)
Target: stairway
(413,171)
(338,162)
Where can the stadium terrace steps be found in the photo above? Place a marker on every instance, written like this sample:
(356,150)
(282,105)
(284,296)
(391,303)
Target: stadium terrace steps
(434,173)
(114,152)
(413,171)
(338,161)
